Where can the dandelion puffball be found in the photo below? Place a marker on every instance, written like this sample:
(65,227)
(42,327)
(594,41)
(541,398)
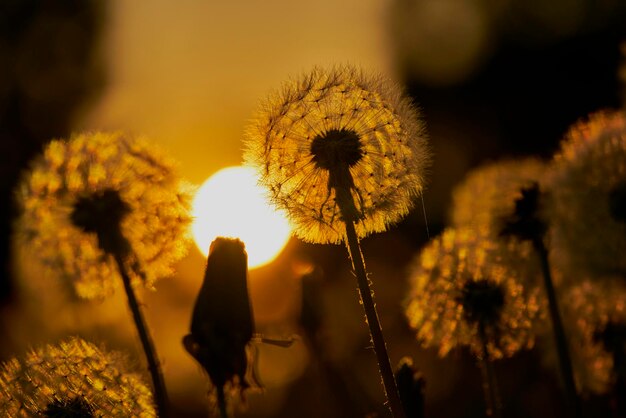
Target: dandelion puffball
(339,130)
(456,282)
(103,182)
(73,378)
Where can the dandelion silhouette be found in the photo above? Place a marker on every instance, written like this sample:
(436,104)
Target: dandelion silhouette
(101,206)
(72,379)
(344,155)
(222,325)
(462,295)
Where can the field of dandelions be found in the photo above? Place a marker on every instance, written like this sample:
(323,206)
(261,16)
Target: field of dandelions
(514,307)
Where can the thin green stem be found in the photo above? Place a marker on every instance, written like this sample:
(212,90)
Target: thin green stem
(490,384)
(160,393)
(565,361)
(376,332)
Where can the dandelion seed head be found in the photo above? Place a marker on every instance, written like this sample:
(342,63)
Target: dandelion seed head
(72,377)
(87,187)
(339,121)
(586,204)
(458,281)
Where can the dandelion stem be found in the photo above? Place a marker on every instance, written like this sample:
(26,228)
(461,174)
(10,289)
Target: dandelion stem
(565,361)
(376,332)
(221,401)
(160,393)
(490,384)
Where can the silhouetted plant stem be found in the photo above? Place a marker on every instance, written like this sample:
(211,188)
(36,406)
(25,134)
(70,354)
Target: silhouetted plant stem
(376,332)
(490,384)
(565,361)
(221,402)
(160,394)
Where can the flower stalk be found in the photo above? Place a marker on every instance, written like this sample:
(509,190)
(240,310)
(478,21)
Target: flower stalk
(526,224)
(371,315)
(565,362)
(490,384)
(160,393)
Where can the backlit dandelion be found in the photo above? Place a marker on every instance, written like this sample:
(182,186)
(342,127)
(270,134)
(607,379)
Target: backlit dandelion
(101,201)
(462,295)
(457,284)
(339,130)
(344,154)
(72,379)
(81,192)
(587,201)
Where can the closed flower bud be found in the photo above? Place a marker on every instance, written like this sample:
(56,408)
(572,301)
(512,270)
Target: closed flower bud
(222,324)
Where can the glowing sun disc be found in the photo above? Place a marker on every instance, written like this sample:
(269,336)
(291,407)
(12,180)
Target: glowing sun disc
(230,204)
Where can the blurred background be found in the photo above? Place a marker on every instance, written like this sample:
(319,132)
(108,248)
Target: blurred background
(493,78)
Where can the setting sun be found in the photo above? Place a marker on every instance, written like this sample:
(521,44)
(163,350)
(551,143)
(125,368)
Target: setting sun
(230,204)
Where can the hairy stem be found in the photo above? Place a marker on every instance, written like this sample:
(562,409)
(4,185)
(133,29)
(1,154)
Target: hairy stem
(376,332)
(565,361)
(490,384)
(160,393)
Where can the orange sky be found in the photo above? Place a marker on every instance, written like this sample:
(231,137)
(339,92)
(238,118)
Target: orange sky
(189,74)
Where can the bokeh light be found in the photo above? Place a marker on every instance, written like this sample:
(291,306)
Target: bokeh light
(230,204)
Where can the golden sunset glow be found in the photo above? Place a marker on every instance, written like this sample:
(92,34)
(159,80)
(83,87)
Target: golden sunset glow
(230,204)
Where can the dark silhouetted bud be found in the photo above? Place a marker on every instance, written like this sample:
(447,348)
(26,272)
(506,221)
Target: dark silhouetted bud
(411,385)
(222,323)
